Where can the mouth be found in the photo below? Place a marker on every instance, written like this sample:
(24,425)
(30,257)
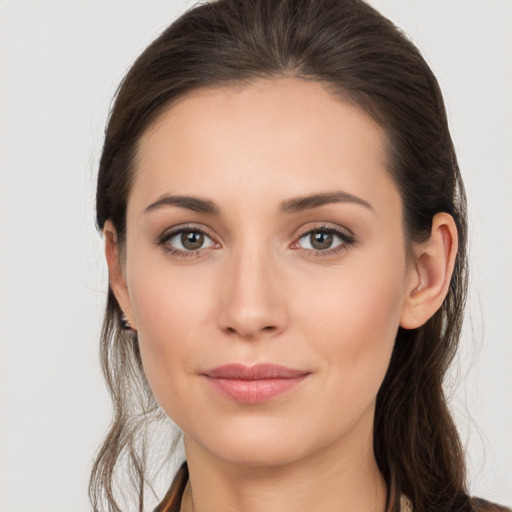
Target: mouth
(253,384)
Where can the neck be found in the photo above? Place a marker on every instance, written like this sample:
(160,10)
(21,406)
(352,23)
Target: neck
(341,476)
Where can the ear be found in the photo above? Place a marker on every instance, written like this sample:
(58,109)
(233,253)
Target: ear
(430,273)
(117,277)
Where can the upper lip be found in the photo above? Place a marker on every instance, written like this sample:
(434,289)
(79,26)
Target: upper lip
(256,372)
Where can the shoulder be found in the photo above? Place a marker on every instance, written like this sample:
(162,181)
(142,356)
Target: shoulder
(480,505)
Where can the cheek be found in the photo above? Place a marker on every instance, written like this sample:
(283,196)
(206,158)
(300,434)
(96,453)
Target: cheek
(169,309)
(354,323)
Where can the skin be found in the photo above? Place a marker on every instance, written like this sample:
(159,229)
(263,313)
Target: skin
(259,290)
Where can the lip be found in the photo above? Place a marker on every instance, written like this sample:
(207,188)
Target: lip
(253,384)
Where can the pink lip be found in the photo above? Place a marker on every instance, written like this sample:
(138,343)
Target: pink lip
(254,384)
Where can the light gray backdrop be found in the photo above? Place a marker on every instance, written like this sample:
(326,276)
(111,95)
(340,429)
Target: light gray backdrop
(60,64)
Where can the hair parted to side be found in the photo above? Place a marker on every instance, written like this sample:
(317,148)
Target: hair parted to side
(364,58)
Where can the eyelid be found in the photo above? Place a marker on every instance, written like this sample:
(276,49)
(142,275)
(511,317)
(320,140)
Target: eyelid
(323,226)
(170,233)
(174,230)
(346,236)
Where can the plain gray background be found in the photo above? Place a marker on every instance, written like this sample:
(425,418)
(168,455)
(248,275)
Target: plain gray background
(60,64)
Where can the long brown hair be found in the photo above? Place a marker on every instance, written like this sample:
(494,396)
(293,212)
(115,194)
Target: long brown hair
(363,57)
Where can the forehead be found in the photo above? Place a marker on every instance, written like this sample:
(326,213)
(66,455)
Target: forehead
(272,137)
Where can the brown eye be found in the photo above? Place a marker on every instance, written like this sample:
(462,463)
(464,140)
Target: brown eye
(192,240)
(186,241)
(325,240)
(321,240)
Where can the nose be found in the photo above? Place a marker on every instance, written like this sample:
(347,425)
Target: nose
(253,302)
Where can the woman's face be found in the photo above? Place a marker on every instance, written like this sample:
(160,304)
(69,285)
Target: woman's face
(264,229)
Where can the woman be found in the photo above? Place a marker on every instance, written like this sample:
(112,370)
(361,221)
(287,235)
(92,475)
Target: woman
(285,231)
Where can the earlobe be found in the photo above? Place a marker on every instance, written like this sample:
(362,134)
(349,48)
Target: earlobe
(116,274)
(430,276)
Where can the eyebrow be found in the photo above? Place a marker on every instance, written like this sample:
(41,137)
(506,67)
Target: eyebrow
(190,203)
(294,205)
(299,204)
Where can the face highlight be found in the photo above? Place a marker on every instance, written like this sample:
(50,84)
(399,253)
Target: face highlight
(263,228)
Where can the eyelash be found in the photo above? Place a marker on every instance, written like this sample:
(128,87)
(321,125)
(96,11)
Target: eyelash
(347,239)
(165,237)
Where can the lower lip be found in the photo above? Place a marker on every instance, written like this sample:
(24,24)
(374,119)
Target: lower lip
(254,391)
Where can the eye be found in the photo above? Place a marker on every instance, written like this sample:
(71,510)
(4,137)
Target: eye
(324,239)
(186,241)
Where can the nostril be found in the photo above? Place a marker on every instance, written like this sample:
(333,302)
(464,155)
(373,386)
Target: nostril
(250,332)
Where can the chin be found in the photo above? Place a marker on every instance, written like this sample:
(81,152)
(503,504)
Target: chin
(259,447)
(258,455)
